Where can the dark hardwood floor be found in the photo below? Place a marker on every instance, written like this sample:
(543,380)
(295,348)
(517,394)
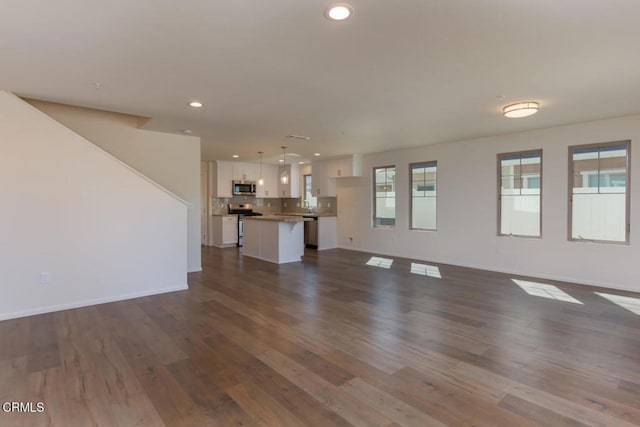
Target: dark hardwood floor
(329,342)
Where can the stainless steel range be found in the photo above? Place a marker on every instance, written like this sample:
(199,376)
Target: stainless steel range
(242,210)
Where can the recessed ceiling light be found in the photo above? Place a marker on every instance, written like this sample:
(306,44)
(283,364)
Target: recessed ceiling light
(316,154)
(195,104)
(281,161)
(235,156)
(301,163)
(521,109)
(338,12)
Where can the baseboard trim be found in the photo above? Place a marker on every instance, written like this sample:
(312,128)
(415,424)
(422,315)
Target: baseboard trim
(531,274)
(85,303)
(272,261)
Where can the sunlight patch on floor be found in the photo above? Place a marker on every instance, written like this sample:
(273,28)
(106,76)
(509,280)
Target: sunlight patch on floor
(545,291)
(628,303)
(380,262)
(425,270)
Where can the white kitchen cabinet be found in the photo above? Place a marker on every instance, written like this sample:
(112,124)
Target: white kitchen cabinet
(327,232)
(220,178)
(346,166)
(245,171)
(278,242)
(333,168)
(291,189)
(225,231)
(223,173)
(270,187)
(323,186)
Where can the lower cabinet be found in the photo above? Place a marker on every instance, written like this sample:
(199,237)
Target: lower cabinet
(225,231)
(327,232)
(321,233)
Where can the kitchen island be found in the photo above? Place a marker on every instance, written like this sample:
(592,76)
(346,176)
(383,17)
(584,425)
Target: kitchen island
(325,226)
(274,238)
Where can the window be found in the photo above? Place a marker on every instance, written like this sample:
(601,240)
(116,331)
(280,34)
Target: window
(309,200)
(520,184)
(599,192)
(384,194)
(423,195)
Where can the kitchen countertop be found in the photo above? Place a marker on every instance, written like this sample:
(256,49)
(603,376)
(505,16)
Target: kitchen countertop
(294,214)
(278,218)
(310,215)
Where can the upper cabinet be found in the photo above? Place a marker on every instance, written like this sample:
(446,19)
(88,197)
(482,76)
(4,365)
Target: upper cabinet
(270,187)
(322,185)
(325,173)
(220,178)
(346,166)
(291,189)
(245,171)
(223,173)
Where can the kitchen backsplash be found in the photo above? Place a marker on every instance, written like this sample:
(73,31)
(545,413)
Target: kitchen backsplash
(270,206)
(325,205)
(264,206)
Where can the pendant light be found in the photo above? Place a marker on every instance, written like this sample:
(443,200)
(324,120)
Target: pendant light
(284,176)
(260,177)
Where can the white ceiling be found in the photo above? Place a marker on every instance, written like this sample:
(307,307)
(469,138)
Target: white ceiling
(398,74)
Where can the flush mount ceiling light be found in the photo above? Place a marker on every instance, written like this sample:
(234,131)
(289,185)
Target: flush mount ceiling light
(316,154)
(338,12)
(235,156)
(521,109)
(196,104)
(306,138)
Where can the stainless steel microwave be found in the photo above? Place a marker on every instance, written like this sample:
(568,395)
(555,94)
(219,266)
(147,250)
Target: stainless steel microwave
(244,188)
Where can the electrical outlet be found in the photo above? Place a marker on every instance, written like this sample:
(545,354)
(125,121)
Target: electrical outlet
(350,239)
(44,278)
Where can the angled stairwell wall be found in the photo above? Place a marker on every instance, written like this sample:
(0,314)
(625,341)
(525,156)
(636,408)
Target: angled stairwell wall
(170,159)
(101,230)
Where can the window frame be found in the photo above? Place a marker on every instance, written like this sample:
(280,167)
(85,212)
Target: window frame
(304,190)
(425,164)
(499,191)
(374,198)
(627,232)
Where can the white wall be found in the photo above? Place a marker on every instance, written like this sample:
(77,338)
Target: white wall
(171,160)
(467,209)
(103,231)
